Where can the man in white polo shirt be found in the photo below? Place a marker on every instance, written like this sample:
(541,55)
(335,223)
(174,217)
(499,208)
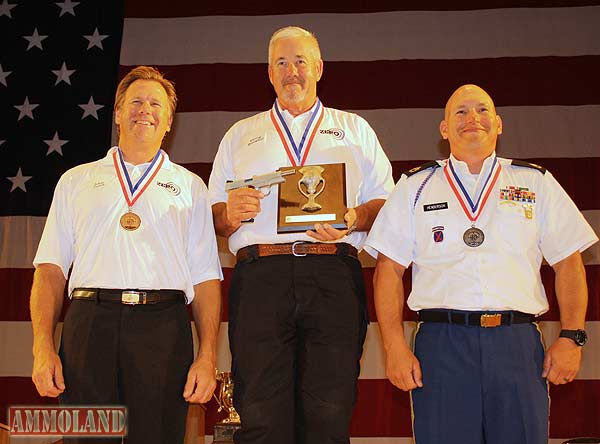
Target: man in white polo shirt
(297,309)
(475,228)
(137,231)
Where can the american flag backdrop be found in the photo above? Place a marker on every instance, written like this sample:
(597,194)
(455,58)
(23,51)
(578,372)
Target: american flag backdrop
(394,65)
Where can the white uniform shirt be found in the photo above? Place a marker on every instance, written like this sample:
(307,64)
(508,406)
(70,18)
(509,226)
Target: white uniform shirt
(174,248)
(252,146)
(502,273)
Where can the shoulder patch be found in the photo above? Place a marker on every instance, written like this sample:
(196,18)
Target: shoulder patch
(425,166)
(522,163)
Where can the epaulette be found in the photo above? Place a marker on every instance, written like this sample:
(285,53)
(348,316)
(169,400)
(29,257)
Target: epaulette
(425,166)
(522,163)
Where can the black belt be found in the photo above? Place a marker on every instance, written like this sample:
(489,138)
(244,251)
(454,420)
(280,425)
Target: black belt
(129,297)
(296,249)
(476,318)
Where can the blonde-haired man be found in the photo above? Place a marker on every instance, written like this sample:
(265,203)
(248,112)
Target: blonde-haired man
(137,231)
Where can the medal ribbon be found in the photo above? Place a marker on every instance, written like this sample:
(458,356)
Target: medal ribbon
(299,152)
(133,192)
(474,210)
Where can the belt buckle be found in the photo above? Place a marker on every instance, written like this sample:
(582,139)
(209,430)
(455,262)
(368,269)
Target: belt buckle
(490,320)
(294,249)
(133,297)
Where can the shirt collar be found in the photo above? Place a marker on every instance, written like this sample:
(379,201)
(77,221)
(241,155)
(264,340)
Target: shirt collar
(108,159)
(462,169)
(289,118)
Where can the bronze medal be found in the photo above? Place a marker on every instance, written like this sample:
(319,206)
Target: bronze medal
(473,237)
(130,221)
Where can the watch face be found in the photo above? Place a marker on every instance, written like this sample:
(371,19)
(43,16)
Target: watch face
(580,337)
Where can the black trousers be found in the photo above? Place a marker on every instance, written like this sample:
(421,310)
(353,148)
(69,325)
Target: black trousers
(136,356)
(296,329)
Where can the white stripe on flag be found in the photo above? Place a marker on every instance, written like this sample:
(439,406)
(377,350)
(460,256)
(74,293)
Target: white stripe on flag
(520,32)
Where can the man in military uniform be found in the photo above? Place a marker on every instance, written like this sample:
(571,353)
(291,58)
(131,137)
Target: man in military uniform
(475,228)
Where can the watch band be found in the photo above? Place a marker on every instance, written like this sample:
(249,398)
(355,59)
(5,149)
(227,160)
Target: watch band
(579,337)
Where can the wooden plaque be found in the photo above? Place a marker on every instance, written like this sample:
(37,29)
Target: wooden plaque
(330,195)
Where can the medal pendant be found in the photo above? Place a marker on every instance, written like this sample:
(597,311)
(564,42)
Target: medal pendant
(528,211)
(130,221)
(473,237)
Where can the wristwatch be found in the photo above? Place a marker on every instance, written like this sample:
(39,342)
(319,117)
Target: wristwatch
(579,337)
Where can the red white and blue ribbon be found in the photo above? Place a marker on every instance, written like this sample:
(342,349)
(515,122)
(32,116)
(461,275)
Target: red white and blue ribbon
(130,191)
(297,153)
(472,210)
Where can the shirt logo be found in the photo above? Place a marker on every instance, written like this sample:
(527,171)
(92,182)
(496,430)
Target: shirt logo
(170,187)
(438,233)
(335,132)
(256,139)
(435,206)
(517,194)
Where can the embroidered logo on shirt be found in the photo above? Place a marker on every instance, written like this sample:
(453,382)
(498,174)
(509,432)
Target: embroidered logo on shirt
(98,184)
(517,194)
(438,233)
(256,139)
(170,187)
(435,206)
(335,132)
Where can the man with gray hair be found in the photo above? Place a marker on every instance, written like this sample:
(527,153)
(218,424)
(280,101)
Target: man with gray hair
(297,308)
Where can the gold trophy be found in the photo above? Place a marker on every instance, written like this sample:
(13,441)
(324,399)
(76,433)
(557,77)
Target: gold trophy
(311,179)
(225,429)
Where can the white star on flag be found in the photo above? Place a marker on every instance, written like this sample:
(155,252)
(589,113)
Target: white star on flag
(26,110)
(18,181)
(95,39)
(90,109)
(5,8)
(63,74)
(4,75)
(55,144)
(35,40)
(67,7)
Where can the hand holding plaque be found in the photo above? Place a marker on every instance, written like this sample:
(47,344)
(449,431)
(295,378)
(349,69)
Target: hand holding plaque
(298,209)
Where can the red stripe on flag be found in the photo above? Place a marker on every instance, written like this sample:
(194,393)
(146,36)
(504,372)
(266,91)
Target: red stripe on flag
(216,86)
(184,8)
(381,409)
(14,308)
(578,176)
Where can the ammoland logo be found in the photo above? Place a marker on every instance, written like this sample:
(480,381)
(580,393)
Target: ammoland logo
(34,420)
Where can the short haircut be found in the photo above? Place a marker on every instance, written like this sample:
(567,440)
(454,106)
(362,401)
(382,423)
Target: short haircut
(293,31)
(146,73)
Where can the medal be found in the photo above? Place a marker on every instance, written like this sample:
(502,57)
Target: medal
(473,236)
(286,136)
(528,208)
(130,221)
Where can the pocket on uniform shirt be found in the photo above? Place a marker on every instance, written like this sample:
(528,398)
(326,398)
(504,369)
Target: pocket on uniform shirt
(515,223)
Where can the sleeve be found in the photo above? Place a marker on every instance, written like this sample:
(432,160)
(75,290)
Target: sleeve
(377,169)
(202,252)
(564,230)
(222,170)
(58,238)
(392,233)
